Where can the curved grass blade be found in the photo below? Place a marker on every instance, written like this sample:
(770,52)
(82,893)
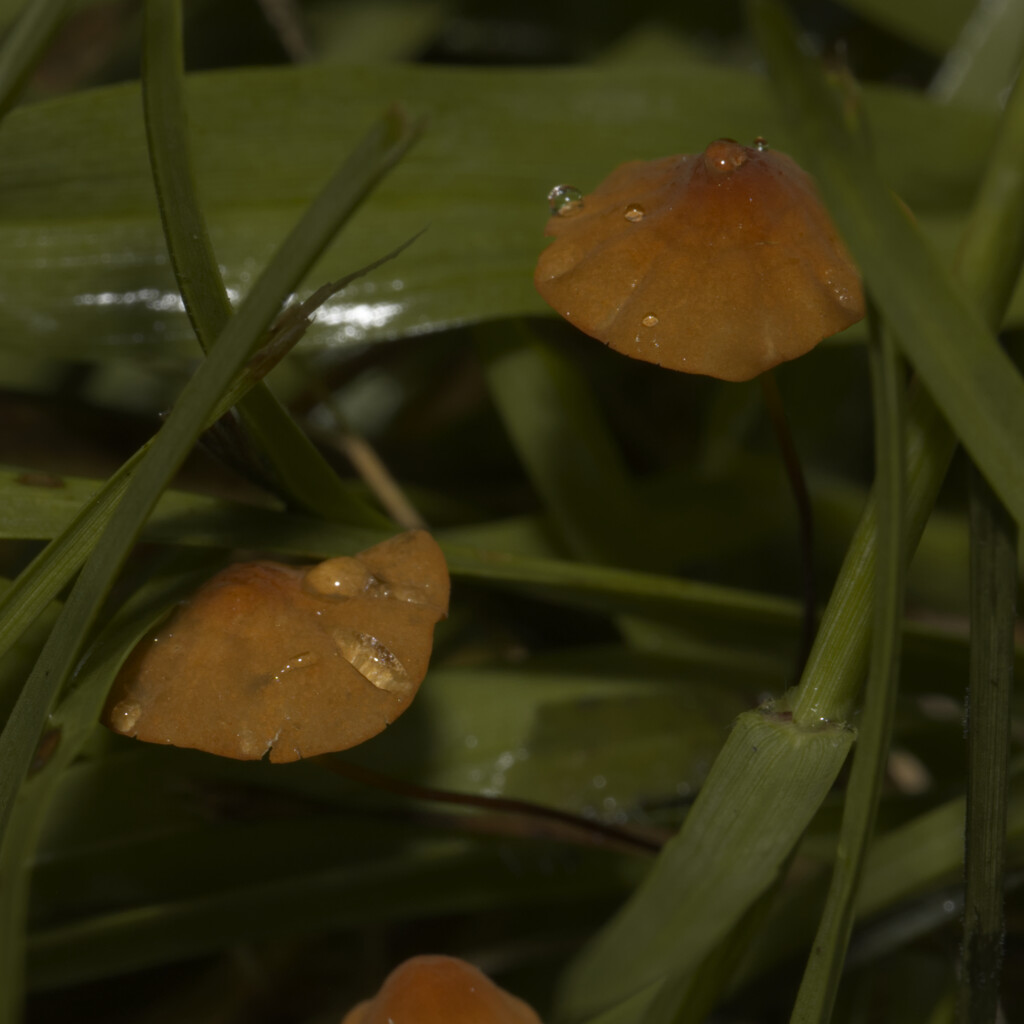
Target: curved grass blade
(379,151)
(300,470)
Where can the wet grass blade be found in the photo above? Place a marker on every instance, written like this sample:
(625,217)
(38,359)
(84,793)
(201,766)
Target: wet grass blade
(296,465)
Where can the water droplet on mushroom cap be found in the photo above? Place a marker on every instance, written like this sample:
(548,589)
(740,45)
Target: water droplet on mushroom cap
(440,990)
(565,200)
(735,252)
(272,660)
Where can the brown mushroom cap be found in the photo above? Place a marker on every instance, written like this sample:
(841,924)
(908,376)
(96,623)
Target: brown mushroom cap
(722,263)
(440,990)
(288,661)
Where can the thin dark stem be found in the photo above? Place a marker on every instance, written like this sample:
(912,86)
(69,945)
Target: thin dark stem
(993,616)
(607,833)
(798,486)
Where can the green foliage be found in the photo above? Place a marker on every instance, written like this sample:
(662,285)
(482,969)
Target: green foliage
(626,595)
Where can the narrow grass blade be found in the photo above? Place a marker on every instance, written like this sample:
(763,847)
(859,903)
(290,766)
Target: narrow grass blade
(816,998)
(300,470)
(25,44)
(973,381)
(381,148)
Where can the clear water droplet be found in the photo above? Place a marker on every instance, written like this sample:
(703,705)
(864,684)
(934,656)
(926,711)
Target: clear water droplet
(564,200)
(760,143)
(650,320)
(372,660)
(635,213)
(125,716)
(338,577)
(723,156)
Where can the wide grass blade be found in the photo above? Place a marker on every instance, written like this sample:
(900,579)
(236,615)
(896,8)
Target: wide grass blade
(481,190)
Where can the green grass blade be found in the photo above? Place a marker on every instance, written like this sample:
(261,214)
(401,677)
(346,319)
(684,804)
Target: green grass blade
(562,440)
(301,471)
(771,776)
(970,377)
(816,998)
(381,148)
(25,44)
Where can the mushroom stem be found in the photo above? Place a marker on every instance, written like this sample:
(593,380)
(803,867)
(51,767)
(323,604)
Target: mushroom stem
(798,487)
(594,829)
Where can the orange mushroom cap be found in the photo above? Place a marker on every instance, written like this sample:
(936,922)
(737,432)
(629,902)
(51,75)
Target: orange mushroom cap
(288,661)
(722,263)
(440,990)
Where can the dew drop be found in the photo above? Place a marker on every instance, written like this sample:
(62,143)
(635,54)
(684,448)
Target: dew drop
(125,716)
(372,660)
(338,577)
(564,200)
(634,213)
(760,143)
(650,320)
(723,156)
